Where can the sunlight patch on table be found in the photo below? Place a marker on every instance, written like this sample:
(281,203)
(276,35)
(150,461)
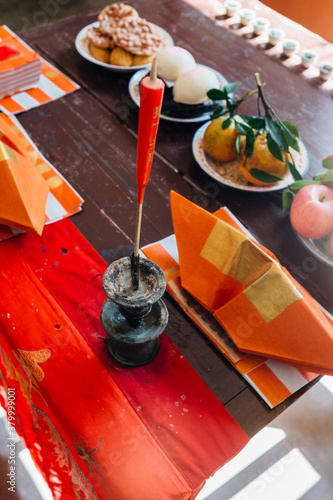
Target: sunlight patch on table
(327,382)
(35,475)
(258,446)
(289,478)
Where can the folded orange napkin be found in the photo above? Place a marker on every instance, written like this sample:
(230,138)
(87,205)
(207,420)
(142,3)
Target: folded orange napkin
(23,191)
(20,66)
(258,303)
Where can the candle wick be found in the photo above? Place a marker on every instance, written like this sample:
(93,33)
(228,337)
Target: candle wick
(153,71)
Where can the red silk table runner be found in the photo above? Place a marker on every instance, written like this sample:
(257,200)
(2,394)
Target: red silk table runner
(94,428)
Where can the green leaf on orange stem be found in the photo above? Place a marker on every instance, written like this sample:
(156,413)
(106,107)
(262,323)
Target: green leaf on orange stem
(276,133)
(327,177)
(231,87)
(294,172)
(328,162)
(241,128)
(220,110)
(297,185)
(287,198)
(264,176)
(217,94)
(292,141)
(238,140)
(291,128)
(226,123)
(256,123)
(249,144)
(273,147)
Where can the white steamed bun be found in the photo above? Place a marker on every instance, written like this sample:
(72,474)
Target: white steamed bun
(172,61)
(191,87)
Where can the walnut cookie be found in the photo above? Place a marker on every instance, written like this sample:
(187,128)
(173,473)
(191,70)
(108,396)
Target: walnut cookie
(110,16)
(120,27)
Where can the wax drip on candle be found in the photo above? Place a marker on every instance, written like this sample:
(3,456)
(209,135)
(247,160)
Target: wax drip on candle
(151,96)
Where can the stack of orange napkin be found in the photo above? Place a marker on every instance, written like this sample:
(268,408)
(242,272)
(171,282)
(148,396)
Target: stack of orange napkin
(23,190)
(20,66)
(258,303)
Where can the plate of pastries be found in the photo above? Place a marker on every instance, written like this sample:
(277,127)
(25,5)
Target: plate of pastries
(121,40)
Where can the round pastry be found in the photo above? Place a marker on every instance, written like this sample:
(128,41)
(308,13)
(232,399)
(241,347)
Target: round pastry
(191,87)
(97,38)
(120,57)
(172,61)
(141,60)
(136,36)
(110,16)
(100,54)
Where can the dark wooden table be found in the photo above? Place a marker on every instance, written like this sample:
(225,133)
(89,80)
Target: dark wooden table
(90,136)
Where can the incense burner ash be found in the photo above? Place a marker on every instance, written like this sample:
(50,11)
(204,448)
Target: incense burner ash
(134,316)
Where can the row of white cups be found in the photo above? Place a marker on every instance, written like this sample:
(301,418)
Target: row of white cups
(276,36)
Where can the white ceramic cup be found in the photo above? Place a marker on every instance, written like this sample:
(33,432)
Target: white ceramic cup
(260,25)
(309,57)
(246,16)
(232,7)
(275,35)
(290,47)
(326,70)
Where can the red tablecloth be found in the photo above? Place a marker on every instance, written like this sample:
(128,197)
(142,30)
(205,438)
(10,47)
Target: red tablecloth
(95,428)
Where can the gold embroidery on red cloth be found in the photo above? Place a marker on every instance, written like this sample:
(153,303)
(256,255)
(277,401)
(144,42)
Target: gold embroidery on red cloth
(87,455)
(32,360)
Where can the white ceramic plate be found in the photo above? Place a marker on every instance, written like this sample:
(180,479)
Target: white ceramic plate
(134,91)
(319,248)
(82,46)
(207,164)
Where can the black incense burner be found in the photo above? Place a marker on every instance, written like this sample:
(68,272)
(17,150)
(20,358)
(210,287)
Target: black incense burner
(134,316)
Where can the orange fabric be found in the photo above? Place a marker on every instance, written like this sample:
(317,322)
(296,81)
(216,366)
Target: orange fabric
(23,53)
(69,202)
(300,335)
(23,192)
(270,315)
(216,287)
(12,138)
(150,432)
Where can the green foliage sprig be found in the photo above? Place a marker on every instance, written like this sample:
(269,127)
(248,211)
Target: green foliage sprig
(282,136)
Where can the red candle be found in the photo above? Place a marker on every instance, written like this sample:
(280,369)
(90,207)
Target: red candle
(151,96)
